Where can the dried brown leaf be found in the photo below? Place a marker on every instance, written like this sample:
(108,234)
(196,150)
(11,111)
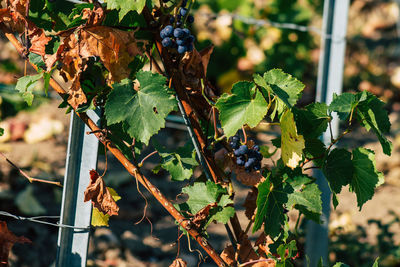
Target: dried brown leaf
(246,178)
(262,243)
(250,202)
(202,214)
(76,94)
(178,263)
(100,196)
(7,241)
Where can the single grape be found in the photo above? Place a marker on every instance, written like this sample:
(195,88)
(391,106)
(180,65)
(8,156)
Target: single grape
(184,2)
(256,148)
(179,17)
(190,39)
(166,42)
(171,19)
(168,30)
(189,47)
(162,34)
(234,145)
(235,138)
(186,31)
(178,24)
(181,49)
(179,33)
(183,11)
(190,19)
(240,162)
(257,166)
(250,163)
(180,41)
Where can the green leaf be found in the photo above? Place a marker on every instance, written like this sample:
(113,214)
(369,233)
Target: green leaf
(179,164)
(124,6)
(312,121)
(270,200)
(245,105)
(306,197)
(98,217)
(315,149)
(143,112)
(338,169)
(365,177)
(202,194)
(292,143)
(46,79)
(340,264)
(372,115)
(26,84)
(287,88)
(343,104)
(37,60)
(376,263)
(222,215)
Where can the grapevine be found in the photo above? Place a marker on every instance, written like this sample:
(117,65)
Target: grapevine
(100,50)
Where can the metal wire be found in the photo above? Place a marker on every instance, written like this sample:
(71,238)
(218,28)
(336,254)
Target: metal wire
(38,219)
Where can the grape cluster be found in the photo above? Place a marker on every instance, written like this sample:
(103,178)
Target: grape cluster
(249,158)
(178,37)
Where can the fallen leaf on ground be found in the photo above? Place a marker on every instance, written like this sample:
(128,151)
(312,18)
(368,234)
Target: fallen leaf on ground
(100,196)
(7,241)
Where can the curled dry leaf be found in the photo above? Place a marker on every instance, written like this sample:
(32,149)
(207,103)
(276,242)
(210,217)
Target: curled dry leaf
(93,16)
(262,243)
(7,241)
(250,203)
(246,254)
(100,196)
(178,263)
(115,48)
(202,214)
(193,68)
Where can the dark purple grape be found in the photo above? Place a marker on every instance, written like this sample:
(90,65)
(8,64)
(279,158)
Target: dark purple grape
(183,11)
(189,47)
(171,19)
(166,42)
(181,49)
(257,166)
(184,2)
(250,163)
(179,33)
(240,162)
(180,41)
(256,148)
(190,39)
(179,17)
(178,24)
(162,34)
(186,31)
(235,138)
(190,19)
(241,150)
(168,30)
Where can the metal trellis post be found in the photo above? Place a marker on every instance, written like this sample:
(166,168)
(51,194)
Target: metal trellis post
(330,79)
(81,158)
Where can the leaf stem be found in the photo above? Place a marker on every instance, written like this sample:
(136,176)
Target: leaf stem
(148,156)
(244,135)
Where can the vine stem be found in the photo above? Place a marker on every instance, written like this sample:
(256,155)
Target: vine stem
(129,166)
(30,179)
